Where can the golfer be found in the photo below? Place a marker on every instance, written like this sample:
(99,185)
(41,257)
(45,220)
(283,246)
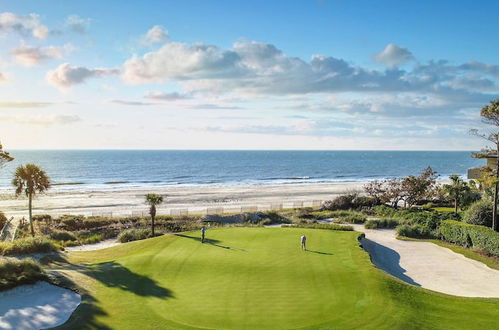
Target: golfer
(303,240)
(203,232)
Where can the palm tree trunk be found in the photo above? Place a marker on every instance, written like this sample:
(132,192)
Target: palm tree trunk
(30,205)
(455,206)
(152,219)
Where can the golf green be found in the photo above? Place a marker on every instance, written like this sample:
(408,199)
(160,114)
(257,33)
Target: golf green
(257,278)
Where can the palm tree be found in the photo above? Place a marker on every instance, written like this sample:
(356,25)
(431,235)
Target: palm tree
(153,200)
(456,190)
(30,179)
(5,157)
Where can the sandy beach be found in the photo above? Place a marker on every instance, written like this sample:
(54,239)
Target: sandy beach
(178,199)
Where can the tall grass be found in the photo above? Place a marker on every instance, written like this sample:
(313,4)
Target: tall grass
(17,272)
(27,245)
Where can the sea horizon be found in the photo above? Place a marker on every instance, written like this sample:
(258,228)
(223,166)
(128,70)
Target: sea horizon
(133,169)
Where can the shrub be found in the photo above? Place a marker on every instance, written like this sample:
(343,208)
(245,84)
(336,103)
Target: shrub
(479,213)
(17,272)
(61,235)
(3,220)
(342,202)
(27,245)
(415,231)
(42,217)
(134,234)
(353,218)
(381,223)
(272,217)
(479,237)
(321,226)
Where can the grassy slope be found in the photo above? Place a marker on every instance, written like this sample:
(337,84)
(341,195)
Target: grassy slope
(263,282)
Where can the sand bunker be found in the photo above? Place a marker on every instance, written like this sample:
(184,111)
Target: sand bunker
(36,306)
(430,266)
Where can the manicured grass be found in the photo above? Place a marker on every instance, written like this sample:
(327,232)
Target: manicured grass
(257,278)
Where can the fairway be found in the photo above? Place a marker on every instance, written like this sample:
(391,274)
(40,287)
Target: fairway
(257,278)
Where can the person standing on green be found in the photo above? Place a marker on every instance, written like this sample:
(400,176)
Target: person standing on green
(203,232)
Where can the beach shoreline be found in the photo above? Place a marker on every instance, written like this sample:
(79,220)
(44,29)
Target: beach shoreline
(190,199)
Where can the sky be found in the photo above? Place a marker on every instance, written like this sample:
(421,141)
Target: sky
(306,75)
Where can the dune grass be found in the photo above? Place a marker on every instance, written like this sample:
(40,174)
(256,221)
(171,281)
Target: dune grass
(257,278)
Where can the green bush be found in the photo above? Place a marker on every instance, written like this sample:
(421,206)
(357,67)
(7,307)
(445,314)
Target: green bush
(27,245)
(348,202)
(321,226)
(381,223)
(476,236)
(352,218)
(272,217)
(42,217)
(61,235)
(134,234)
(17,272)
(415,231)
(479,213)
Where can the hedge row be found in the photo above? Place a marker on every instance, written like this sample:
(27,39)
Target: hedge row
(479,237)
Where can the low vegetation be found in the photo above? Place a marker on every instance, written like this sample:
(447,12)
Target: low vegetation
(17,272)
(328,226)
(135,234)
(473,236)
(381,223)
(38,244)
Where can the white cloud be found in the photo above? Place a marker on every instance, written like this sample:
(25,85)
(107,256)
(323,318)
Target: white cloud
(162,96)
(24,25)
(30,56)
(77,23)
(393,55)
(3,78)
(42,120)
(125,102)
(65,75)
(156,34)
(23,105)
(181,61)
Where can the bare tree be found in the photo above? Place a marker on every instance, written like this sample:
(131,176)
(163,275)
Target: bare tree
(5,157)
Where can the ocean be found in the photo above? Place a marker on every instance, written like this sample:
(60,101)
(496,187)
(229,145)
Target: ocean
(89,170)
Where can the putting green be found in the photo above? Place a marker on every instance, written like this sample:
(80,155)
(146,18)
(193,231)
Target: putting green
(257,278)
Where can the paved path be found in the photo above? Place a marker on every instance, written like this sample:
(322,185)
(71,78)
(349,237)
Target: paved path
(430,266)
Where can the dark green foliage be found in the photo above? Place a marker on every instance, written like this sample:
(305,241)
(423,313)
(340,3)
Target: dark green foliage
(17,272)
(43,217)
(352,218)
(381,223)
(415,231)
(27,245)
(321,226)
(479,213)
(274,217)
(478,237)
(348,202)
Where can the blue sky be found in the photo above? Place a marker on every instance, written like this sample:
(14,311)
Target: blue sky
(246,74)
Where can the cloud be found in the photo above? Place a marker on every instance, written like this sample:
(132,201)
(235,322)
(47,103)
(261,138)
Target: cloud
(393,55)
(156,34)
(27,25)
(31,56)
(124,102)
(77,24)
(42,120)
(181,61)
(23,105)
(162,96)
(210,106)
(3,78)
(65,75)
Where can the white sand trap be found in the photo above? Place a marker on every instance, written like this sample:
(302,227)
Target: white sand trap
(36,306)
(92,247)
(430,266)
